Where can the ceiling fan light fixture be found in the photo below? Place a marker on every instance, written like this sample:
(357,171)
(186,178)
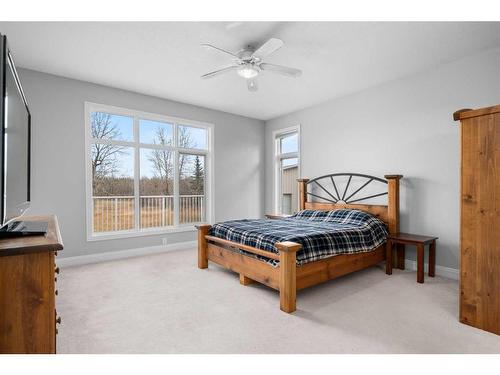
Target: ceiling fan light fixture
(249,63)
(247,71)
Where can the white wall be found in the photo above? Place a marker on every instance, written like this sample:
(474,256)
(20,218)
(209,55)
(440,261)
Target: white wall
(58,162)
(402,127)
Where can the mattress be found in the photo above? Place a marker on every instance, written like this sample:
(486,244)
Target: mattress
(322,234)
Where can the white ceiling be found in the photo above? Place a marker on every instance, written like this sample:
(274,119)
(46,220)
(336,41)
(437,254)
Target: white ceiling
(165,59)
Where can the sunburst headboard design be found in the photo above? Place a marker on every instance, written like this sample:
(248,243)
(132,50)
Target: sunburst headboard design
(327,193)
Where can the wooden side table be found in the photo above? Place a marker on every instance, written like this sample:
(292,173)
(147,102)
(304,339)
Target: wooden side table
(420,242)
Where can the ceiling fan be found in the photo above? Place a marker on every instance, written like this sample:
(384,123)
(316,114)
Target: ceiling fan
(249,63)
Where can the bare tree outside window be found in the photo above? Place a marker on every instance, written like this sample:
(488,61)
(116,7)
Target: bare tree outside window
(162,160)
(105,157)
(112,172)
(162,167)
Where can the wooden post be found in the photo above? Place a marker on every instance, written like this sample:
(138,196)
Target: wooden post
(393,202)
(393,214)
(401,251)
(420,263)
(302,192)
(202,245)
(388,257)
(288,275)
(432,258)
(245,280)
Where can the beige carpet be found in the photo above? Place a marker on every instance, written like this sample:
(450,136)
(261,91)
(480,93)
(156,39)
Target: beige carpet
(164,304)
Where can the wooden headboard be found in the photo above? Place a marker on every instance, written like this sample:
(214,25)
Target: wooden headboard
(334,199)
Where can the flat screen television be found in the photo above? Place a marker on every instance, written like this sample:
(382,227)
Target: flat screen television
(15,150)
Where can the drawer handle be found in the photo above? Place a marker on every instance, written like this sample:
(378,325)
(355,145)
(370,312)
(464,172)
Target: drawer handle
(58,320)
(55,279)
(57,292)
(56,270)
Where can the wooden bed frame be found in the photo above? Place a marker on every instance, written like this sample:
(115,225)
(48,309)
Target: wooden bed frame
(287,278)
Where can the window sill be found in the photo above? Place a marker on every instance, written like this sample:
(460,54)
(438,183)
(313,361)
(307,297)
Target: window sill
(141,233)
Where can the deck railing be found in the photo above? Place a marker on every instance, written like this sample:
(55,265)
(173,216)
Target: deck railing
(115,213)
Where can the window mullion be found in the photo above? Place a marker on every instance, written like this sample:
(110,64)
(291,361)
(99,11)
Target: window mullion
(176,179)
(112,142)
(279,186)
(137,176)
(277,171)
(289,155)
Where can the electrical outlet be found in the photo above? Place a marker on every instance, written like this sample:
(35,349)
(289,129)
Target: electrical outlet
(164,240)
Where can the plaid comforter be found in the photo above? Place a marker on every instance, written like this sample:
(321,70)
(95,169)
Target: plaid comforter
(322,234)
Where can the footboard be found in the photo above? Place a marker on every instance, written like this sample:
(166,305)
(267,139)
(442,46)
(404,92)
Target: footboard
(282,278)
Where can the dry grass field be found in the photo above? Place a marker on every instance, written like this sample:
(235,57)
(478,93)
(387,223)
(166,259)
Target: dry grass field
(117,213)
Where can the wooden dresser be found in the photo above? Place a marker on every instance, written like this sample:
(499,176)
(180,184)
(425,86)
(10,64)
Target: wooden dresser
(480,218)
(27,291)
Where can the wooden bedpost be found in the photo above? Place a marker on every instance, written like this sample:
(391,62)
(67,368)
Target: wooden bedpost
(288,275)
(393,202)
(393,214)
(202,245)
(302,192)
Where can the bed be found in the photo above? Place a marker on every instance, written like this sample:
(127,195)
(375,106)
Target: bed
(331,235)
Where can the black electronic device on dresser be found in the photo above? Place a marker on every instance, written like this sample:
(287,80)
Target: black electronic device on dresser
(15,151)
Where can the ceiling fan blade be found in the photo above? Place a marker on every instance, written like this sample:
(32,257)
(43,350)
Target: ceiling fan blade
(220,71)
(209,46)
(268,47)
(285,70)
(252,85)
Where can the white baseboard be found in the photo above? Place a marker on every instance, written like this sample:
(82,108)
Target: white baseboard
(450,273)
(122,254)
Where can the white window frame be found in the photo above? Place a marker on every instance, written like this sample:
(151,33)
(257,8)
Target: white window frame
(278,157)
(137,145)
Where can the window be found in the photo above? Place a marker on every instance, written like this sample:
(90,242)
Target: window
(146,173)
(287,167)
